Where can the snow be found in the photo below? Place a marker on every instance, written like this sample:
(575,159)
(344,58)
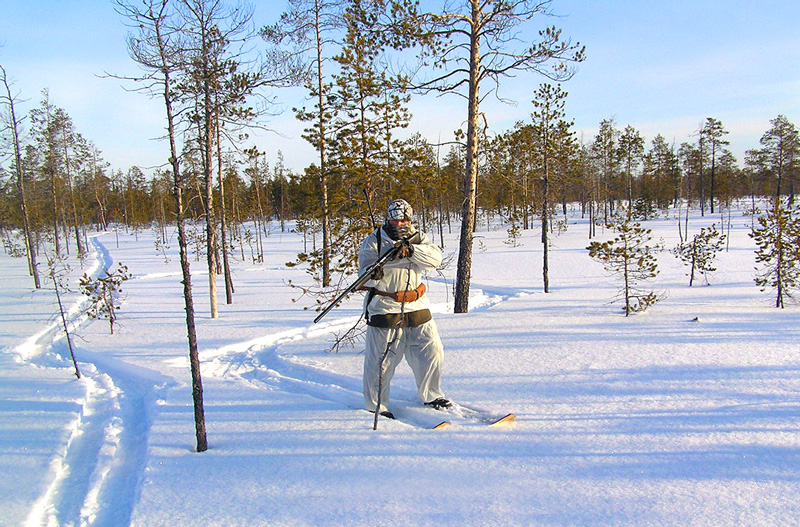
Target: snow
(684,415)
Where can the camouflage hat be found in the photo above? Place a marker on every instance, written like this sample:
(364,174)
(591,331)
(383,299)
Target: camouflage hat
(399,209)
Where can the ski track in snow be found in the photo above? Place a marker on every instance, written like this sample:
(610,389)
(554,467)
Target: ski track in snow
(153,276)
(96,477)
(263,366)
(260,363)
(482,297)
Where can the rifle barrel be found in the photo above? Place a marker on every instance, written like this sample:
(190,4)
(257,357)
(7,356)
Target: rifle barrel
(362,279)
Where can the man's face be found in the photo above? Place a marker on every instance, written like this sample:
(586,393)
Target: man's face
(399,223)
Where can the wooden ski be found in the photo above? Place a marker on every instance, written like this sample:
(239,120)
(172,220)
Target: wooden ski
(503,420)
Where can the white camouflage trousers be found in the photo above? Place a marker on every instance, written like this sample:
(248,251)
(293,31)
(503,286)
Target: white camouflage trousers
(423,351)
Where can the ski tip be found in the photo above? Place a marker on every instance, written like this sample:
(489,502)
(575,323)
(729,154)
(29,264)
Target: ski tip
(442,425)
(503,420)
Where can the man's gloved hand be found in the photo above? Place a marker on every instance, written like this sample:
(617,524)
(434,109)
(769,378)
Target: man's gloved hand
(405,251)
(377,274)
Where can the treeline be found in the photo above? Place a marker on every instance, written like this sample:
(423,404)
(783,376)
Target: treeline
(70,187)
(618,167)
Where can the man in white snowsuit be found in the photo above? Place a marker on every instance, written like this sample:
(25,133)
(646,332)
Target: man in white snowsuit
(399,322)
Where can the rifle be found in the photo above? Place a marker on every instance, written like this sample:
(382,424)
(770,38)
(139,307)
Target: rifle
(365,277)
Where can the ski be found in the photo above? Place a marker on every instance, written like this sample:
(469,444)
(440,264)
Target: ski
(503,420)
(421,417)
(481,416)
(430,418)
(417,417)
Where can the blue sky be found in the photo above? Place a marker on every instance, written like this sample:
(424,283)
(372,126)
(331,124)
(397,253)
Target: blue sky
(661,66)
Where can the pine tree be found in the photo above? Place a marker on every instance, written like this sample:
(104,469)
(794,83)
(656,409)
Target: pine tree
(552,140)
(629,257)
(630,152)
(605,152)
(699,254)
(781,152)
(665,174)
(103,292)
(713,132)
(309,25)
(369,106)
(778,240)
(45,154)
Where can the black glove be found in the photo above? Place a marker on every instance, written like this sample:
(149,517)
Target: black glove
(377,274)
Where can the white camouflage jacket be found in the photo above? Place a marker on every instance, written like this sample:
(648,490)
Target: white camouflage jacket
(403,274)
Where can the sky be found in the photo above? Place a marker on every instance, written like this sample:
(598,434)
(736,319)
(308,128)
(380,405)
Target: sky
(662,67)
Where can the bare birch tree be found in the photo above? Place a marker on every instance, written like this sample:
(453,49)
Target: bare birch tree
(156,48)
(12,123)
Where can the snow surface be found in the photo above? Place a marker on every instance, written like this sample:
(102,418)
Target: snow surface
(684,415)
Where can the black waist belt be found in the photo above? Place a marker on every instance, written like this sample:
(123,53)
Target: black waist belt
(396,320)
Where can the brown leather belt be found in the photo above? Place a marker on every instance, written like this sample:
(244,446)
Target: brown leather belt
(401,296)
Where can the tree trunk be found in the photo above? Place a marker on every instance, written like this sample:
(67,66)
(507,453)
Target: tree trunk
(780,172)
(70,188)
(545,207)
(260,216)
(323,162)
(54,204)
(211,230)
(64,324)
(713,169)
(702,184)
(194,356)
(464,270)
(205,129)
(626,284)
(779,265)
(222,223)
(100,206)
